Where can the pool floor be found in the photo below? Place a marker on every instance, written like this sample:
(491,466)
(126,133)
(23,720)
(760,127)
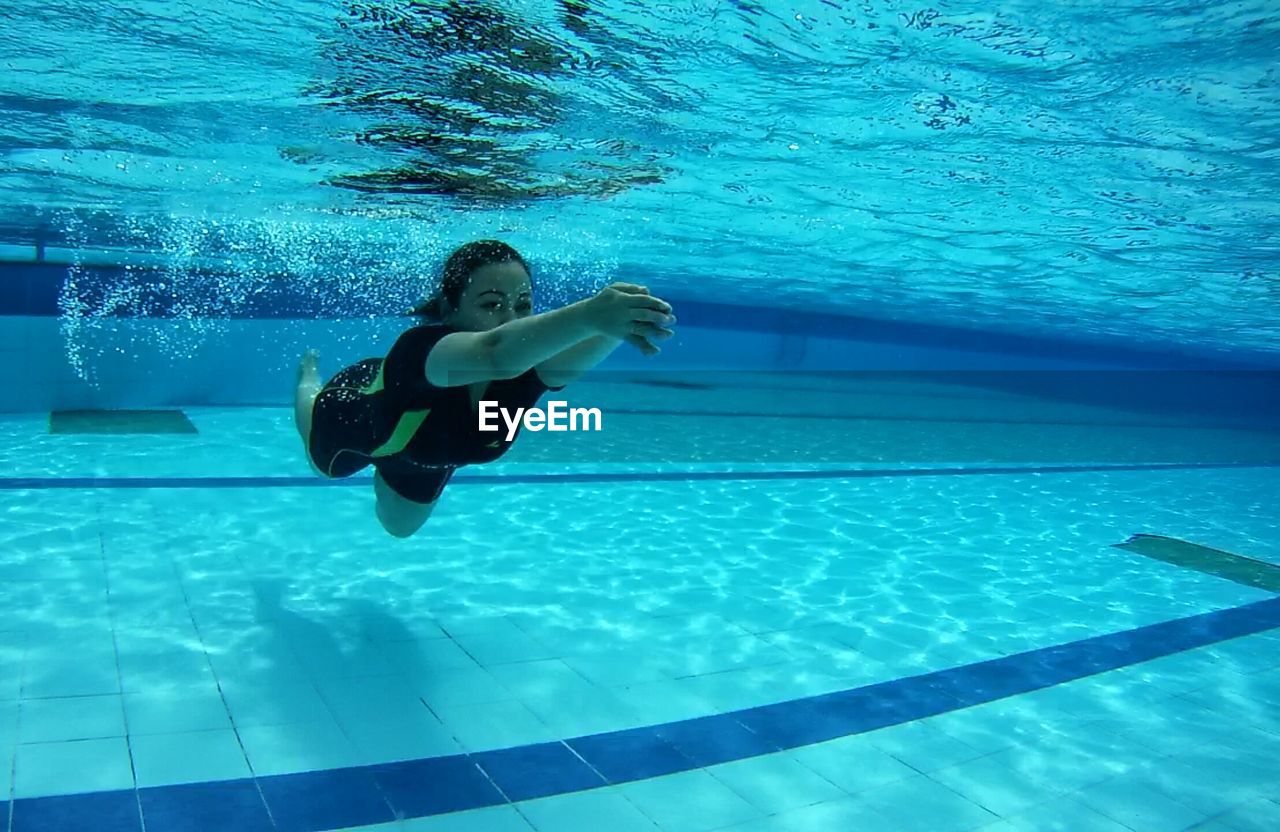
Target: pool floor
(197,636)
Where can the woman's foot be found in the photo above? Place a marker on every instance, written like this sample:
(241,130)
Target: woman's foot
(304,397)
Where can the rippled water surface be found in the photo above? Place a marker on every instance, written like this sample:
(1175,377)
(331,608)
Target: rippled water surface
(1098,168)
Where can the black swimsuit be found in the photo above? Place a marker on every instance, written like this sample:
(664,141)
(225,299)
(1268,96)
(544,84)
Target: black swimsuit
(384,412)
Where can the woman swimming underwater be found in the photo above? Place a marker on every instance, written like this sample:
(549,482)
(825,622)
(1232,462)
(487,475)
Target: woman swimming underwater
(414,414)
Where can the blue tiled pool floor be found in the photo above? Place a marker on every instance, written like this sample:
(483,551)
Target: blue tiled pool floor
(1058,758)
(268,652)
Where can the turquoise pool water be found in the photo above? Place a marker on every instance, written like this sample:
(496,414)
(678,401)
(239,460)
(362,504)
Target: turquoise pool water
(763,599)
(204,637)
(1100,168)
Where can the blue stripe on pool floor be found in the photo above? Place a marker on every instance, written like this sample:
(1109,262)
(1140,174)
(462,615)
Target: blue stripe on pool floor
(366,795)
(21,483)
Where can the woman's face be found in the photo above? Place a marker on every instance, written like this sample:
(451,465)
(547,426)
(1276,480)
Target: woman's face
(495,294)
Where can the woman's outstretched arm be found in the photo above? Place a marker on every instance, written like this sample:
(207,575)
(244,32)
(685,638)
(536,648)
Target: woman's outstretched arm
(570,364)
(619,312)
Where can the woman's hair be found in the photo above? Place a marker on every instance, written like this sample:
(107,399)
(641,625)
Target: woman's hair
(458,270)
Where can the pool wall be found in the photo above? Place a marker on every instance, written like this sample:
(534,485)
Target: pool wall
(247,356)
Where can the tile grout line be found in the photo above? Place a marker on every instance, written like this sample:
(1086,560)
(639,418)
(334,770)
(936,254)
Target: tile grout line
(115,648)
(213,671)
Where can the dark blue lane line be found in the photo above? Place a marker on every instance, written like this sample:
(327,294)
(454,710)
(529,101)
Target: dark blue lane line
(1260,423)
(366,795)
(16,483)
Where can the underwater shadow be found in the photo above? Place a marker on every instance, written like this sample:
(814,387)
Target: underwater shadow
(292,638)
